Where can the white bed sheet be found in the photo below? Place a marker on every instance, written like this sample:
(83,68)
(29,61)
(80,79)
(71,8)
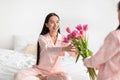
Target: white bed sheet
(12,61)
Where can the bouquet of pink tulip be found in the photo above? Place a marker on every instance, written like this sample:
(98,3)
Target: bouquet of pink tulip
(78,38)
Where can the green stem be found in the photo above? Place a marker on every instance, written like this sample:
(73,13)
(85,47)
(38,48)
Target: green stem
(92,73)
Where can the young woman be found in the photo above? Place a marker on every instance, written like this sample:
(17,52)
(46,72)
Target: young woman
(108,56)
(49,49)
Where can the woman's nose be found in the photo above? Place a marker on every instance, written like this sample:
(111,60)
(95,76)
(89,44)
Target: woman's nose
(55,25)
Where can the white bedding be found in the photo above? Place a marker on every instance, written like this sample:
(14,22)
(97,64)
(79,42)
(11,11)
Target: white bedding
(12,61)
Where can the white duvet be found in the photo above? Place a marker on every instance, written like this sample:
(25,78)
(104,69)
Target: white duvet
(12,61)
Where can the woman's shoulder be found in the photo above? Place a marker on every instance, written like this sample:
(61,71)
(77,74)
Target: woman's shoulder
(43,37)
(113,34)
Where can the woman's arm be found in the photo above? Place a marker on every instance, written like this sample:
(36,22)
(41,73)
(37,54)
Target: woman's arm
(54,50)
(106,52)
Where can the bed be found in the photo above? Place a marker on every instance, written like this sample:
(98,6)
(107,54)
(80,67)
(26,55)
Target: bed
(22,57)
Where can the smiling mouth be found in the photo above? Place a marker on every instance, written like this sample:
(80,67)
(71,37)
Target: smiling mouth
(55,28)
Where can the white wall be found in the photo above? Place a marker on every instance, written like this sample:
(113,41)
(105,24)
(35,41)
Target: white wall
(27,17)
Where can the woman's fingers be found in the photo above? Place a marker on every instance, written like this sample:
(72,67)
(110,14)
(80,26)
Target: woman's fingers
(72,48)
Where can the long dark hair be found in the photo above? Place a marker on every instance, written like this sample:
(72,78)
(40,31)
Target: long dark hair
(45,30)
(118,27)
(118,10)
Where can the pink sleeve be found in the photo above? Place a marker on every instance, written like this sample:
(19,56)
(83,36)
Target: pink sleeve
(44,46)
(107,51)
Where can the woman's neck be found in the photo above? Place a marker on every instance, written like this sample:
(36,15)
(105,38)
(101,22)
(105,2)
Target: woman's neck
(52,34)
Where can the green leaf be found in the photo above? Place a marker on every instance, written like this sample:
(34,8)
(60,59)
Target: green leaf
(90,52)
(77,57)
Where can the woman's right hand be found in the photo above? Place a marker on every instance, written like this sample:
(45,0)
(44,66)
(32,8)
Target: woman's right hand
(69,48)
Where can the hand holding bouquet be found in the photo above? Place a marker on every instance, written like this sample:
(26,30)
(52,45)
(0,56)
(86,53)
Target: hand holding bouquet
(78,38)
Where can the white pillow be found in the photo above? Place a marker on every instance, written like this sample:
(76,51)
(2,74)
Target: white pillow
(21,41)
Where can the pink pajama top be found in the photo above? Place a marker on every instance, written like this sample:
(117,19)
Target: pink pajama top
(50,61)
(107,57)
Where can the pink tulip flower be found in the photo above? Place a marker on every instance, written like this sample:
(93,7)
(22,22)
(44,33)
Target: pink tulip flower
(65,40)
(75,34)
(85,27)
(68,30)
(79,27)
(81,36)
(69,36)
(81,32)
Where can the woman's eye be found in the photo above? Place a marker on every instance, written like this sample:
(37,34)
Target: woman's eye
(54,22)
(51,22)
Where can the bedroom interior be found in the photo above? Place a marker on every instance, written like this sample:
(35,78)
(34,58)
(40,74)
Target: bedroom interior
(21,22)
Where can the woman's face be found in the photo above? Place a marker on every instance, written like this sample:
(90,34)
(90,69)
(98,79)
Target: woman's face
(53,24)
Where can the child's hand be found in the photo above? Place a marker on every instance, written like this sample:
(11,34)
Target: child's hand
(98,67)
(41,77)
